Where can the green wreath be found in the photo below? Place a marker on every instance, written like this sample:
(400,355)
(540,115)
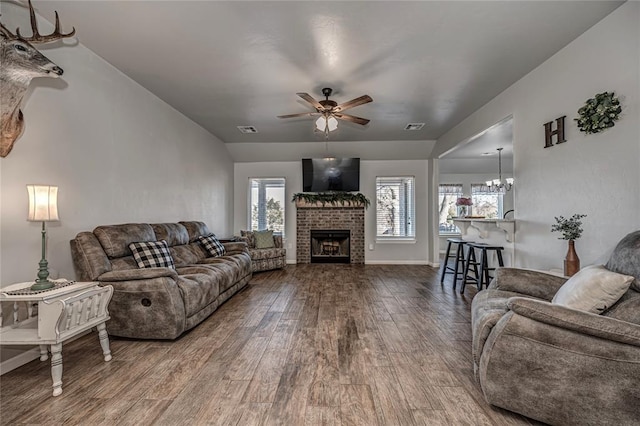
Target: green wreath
(599,113)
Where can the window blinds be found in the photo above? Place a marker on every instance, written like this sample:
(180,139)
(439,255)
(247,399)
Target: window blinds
(395,207)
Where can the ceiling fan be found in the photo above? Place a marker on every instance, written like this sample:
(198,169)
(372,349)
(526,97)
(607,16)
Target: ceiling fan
(329,110)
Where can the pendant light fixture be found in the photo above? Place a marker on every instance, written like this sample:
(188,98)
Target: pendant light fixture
(498,185)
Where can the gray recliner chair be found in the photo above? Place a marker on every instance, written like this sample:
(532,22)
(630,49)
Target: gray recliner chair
(555,364)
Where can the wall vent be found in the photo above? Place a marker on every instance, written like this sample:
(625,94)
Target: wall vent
(414,126)
(247,129)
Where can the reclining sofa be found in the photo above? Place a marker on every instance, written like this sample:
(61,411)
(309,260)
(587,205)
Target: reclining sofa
(555,364)
(160,302)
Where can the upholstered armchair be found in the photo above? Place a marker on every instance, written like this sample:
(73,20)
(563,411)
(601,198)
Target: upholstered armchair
(557,364)
(267,254)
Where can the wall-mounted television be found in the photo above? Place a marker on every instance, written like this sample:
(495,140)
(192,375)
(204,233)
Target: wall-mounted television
(330,174)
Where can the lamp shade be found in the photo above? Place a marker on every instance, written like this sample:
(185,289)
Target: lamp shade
(43,203)
(332,123)
(326,123)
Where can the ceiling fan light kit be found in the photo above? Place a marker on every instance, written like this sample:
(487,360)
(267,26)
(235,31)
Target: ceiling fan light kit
(330,112)
(326,123)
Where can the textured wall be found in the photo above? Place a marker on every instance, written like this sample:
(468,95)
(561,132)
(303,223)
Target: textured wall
(599,174)
(118,153)
(380,252)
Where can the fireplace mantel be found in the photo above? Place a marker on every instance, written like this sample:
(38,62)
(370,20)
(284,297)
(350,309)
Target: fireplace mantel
(301,204)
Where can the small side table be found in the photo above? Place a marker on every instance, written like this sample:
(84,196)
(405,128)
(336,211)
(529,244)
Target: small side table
(63,312)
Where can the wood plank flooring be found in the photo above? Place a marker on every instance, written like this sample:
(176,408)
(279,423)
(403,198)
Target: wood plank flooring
(309,345)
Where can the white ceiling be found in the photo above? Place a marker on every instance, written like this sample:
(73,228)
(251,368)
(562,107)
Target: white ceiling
(231,63)
(479,153)
(486,143)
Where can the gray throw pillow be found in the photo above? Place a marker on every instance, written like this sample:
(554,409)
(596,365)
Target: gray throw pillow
(593,289)
(250,238)
(264,239)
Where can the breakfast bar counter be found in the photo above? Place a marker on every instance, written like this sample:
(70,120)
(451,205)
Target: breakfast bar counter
(500,232)
(486,226)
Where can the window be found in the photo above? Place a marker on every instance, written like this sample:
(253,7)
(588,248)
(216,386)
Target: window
(267,204)
(395,207)
(485,202)
(448,193)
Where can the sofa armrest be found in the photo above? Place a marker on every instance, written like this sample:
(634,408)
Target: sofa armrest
(236,247)
(578,321)
(527,282)
(146,304)
(137,274)
(277,241)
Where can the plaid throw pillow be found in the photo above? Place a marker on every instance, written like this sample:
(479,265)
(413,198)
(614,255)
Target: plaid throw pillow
(212,245)
(152,254)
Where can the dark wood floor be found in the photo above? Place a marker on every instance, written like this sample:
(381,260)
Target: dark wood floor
(313,344)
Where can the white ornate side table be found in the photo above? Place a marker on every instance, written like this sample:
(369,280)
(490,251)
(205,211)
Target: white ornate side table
(63,312)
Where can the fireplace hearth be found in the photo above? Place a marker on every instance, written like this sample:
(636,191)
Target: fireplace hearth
(330,246)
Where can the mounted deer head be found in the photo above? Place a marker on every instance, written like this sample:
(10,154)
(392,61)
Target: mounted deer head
(19,63)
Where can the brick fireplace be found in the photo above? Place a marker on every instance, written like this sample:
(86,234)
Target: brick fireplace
(330,218)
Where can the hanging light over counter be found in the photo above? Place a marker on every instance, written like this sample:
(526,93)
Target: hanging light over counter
(498,185)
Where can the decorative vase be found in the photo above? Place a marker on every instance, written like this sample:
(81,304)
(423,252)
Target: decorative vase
(571,261)
(463,211)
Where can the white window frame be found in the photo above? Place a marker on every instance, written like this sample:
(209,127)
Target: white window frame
(482,189)
(455,230)
(250,201)
(406,206)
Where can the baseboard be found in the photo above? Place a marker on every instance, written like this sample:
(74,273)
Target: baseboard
(31,354)
(19,360)
(390,262)
(396,262)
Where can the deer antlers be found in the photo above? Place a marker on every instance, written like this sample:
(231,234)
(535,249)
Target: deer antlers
(37,37)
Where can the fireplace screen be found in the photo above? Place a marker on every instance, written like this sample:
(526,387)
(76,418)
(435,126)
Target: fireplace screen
(330,246)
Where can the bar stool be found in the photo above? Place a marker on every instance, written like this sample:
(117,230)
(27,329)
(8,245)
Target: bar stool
(459,262)
(483,278)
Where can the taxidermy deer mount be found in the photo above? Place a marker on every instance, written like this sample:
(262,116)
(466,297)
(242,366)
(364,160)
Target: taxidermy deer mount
(19,63)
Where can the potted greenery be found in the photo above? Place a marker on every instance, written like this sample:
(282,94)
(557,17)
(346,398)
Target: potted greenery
(571,229)
(338,198)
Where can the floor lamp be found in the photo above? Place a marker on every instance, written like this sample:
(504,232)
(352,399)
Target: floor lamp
(43,207)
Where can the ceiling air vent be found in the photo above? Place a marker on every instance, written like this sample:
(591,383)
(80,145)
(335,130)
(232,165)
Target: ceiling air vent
(414,126)
(247,129)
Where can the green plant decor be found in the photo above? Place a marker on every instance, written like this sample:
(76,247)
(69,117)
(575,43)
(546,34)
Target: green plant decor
(599,113)
(332,198)
(571,228)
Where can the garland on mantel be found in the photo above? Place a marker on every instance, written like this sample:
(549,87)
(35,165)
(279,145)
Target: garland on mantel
(332,198)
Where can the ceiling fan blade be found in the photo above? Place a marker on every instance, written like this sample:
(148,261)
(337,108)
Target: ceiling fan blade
(352,118)
(307,97)
(364,99)
(302,114)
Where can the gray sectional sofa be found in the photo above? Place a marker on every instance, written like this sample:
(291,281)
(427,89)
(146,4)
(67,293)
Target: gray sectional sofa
(160,303)
(555,364)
